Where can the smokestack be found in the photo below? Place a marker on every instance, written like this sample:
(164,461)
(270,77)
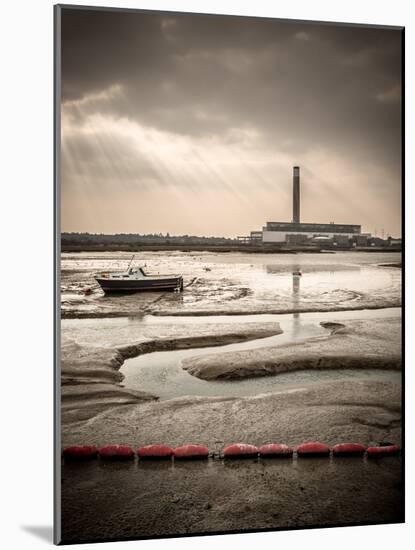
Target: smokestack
(296,194)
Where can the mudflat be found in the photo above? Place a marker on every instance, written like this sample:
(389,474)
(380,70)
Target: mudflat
(153,499)
(148,499)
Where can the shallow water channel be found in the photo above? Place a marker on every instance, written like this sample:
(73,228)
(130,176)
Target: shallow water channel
(161,373)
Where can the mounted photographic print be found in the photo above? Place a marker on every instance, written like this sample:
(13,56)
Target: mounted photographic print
(228,283)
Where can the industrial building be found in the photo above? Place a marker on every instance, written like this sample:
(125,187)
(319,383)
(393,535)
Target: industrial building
(297,233)
(275,232)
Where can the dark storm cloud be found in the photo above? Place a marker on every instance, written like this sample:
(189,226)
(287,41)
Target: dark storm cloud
(300,86)
(197,75)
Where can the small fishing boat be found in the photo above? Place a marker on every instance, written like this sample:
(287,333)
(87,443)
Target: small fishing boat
(134,279)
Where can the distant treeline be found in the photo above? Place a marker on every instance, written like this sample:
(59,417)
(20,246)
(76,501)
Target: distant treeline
(136,238)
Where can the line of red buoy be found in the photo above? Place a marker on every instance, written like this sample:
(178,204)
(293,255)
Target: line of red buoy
(236,450)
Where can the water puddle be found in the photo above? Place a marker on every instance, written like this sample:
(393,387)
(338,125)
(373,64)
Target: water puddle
(161,373)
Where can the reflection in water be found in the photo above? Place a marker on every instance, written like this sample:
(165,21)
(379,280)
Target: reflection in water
(236,283)
(296,294)
(296,276)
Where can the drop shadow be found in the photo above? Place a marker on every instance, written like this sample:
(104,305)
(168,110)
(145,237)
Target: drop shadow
(42,532)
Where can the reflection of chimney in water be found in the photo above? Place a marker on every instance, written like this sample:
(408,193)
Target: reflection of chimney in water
(296,194)
(296,286)
(296,290)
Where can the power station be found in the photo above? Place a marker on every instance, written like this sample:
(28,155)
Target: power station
(296,194)
(295,232)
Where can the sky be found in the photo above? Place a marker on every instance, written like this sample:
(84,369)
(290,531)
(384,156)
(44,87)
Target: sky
(191,124)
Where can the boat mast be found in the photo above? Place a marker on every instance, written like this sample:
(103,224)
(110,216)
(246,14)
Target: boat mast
(131,261)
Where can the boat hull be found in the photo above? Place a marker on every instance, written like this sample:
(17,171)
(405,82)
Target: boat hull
(110,286)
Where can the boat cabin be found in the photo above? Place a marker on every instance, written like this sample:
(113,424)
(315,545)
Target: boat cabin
(136,272)
(131,273)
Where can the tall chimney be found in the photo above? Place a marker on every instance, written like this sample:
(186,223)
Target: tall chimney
(296,194)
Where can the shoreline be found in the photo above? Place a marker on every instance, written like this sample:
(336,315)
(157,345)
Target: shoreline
(155,497)
(350,345)
(212,313)
(88,371)
(221,249)
(213,368)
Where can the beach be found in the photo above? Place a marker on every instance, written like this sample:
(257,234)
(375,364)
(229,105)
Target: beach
(251,351)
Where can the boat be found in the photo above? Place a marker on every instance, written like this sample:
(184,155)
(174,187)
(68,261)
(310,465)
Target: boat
(135,279)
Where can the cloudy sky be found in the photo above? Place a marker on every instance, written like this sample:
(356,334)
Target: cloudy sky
(191,124)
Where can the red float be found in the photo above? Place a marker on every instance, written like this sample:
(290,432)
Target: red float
(119,452)
(275,450)
(155,451)
(348,449)
(373,452)
(313,448)
(80,452)
(191,452)
(240,450)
